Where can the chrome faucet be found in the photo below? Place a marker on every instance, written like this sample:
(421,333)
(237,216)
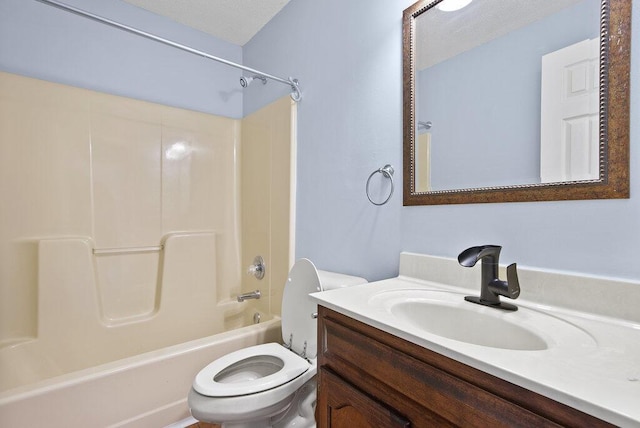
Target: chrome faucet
(491,287)
(250,295)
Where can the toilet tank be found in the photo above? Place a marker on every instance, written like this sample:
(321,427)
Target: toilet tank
(333,280)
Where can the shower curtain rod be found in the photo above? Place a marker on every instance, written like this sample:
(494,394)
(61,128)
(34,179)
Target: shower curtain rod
(296,95)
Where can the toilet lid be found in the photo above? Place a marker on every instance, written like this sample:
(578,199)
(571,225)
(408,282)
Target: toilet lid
(250,370)
(298,323)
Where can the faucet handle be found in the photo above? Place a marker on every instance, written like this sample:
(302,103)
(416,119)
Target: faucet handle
(509,288)
(513,285)
(496,288)
(258,267)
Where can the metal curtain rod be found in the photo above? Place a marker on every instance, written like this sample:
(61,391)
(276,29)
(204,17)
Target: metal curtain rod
(296,95)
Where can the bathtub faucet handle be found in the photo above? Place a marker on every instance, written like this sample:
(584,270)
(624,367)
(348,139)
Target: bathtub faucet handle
(258,267)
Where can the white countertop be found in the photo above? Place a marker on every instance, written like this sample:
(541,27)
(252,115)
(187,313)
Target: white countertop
(599,376)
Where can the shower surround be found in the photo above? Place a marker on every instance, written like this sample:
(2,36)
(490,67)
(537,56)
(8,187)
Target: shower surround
(127,227)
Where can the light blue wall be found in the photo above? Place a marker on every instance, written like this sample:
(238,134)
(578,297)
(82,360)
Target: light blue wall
(347,56)
(485,103)
(40,41)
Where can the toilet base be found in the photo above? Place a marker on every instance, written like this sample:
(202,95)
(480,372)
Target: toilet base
(301,412)
(297,410)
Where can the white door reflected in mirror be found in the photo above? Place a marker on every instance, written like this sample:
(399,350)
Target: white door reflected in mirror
(569,149)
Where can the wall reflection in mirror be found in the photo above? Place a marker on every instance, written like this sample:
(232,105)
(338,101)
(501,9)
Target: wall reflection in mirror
(510,92)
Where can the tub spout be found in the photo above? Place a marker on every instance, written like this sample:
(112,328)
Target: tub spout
(251,295)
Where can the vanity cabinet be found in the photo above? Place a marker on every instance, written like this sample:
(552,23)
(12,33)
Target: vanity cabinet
(369,378)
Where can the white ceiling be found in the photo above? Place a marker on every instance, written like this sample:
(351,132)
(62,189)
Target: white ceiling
(235,21)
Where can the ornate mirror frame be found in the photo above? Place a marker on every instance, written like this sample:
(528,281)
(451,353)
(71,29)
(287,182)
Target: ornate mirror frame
(615,43)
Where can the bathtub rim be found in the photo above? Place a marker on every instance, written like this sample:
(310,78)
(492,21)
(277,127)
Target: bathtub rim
(100,371)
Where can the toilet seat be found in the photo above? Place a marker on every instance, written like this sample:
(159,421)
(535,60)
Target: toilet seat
(250,370)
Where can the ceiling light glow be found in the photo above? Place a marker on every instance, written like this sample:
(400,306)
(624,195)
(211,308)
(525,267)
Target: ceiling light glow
(452,5)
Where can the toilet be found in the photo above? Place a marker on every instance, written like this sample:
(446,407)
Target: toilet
(271,385)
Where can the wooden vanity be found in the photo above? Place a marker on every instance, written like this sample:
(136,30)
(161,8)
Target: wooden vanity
(370,378)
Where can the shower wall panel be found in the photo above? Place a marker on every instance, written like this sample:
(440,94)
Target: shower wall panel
(268,153)
(119,222)
(44,186)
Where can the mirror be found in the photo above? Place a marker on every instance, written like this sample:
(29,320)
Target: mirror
(516,100)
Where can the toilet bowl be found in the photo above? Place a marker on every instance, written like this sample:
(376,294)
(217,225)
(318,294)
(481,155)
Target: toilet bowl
(271,385)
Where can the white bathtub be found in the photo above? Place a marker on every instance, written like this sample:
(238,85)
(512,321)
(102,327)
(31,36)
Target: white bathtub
(147,390)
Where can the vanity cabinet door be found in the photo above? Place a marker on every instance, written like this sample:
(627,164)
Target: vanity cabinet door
(341,405)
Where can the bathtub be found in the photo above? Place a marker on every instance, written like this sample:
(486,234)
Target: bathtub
(97,361)
(146,390)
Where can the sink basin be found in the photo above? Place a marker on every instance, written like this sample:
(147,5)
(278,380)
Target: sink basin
(467,324)
(447,315)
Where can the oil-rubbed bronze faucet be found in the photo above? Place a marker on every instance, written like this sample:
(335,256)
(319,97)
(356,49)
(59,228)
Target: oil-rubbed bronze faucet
(491,287)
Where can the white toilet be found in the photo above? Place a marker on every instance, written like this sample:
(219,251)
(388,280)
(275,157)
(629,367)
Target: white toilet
(271,385)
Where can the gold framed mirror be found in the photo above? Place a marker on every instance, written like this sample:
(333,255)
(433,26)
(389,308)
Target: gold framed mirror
(469,154)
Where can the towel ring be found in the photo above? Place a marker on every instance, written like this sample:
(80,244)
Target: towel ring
(386,171)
